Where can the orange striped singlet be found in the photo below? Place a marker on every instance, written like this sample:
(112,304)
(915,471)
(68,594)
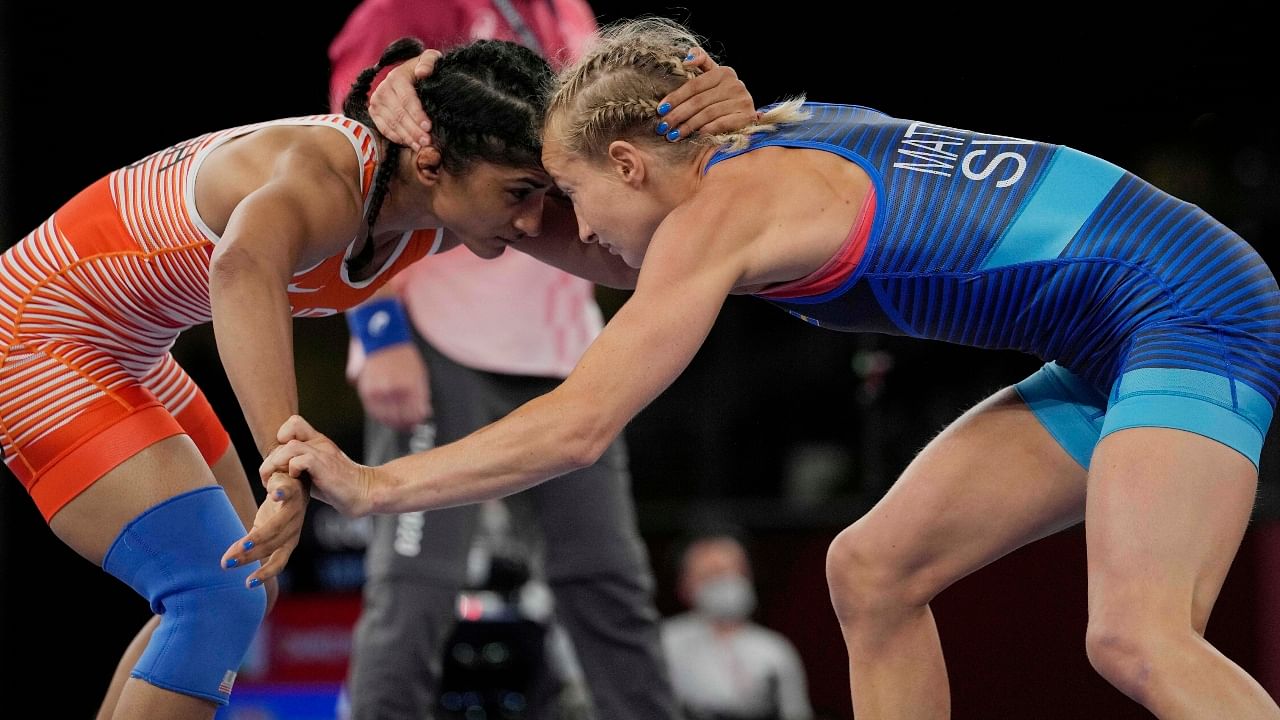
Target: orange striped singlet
(92,301)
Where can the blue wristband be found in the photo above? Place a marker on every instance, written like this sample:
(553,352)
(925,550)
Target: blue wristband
(379,324)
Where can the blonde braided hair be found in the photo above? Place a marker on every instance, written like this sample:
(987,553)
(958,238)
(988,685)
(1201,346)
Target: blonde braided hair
(613,91)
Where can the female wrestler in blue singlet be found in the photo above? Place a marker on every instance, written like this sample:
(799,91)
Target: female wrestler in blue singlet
(1159,324)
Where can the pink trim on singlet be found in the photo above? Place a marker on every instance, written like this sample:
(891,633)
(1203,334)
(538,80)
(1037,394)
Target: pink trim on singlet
(841,265)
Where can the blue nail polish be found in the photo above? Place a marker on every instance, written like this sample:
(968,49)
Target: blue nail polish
(279,494)
(664,108)
(232,562)
(662,128)
(688,57)
(248,544)
(673,136)
(255,583)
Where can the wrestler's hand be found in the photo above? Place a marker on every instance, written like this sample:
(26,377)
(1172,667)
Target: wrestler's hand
(395,107)
(712,103)
(277,528)
(335,478)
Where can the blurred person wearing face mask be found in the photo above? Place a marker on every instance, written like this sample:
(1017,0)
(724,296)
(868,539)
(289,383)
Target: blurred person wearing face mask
(723,665)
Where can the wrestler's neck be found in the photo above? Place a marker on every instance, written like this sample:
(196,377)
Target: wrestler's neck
(410,200)
(672,183)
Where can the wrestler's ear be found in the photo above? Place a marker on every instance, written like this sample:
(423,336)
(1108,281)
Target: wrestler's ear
(627,162)
(426,162)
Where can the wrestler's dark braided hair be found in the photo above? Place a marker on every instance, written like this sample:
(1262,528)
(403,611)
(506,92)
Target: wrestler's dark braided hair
(485,100)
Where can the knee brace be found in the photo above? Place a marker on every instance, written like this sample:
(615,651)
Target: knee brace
(171,555)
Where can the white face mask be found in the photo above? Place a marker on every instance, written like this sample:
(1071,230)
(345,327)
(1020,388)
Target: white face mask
(728,597)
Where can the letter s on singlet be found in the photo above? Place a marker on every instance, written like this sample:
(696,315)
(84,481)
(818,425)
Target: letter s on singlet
(985,172)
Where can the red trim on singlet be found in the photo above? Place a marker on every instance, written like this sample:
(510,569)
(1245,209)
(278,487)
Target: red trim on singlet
(841,265)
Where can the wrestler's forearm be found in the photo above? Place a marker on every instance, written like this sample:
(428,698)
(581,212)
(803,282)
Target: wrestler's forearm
(254,332)
(542,439)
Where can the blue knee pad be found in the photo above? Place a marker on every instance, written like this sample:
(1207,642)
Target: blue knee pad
(171,555)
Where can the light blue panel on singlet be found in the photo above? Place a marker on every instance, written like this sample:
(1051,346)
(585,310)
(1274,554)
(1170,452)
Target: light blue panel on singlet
(1066,196)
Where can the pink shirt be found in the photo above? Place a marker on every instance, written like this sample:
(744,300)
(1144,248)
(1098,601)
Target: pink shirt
(513,314)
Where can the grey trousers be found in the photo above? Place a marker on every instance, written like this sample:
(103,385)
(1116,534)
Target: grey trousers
(594,562)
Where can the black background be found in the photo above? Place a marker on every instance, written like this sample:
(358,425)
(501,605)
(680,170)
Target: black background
(1183,101)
